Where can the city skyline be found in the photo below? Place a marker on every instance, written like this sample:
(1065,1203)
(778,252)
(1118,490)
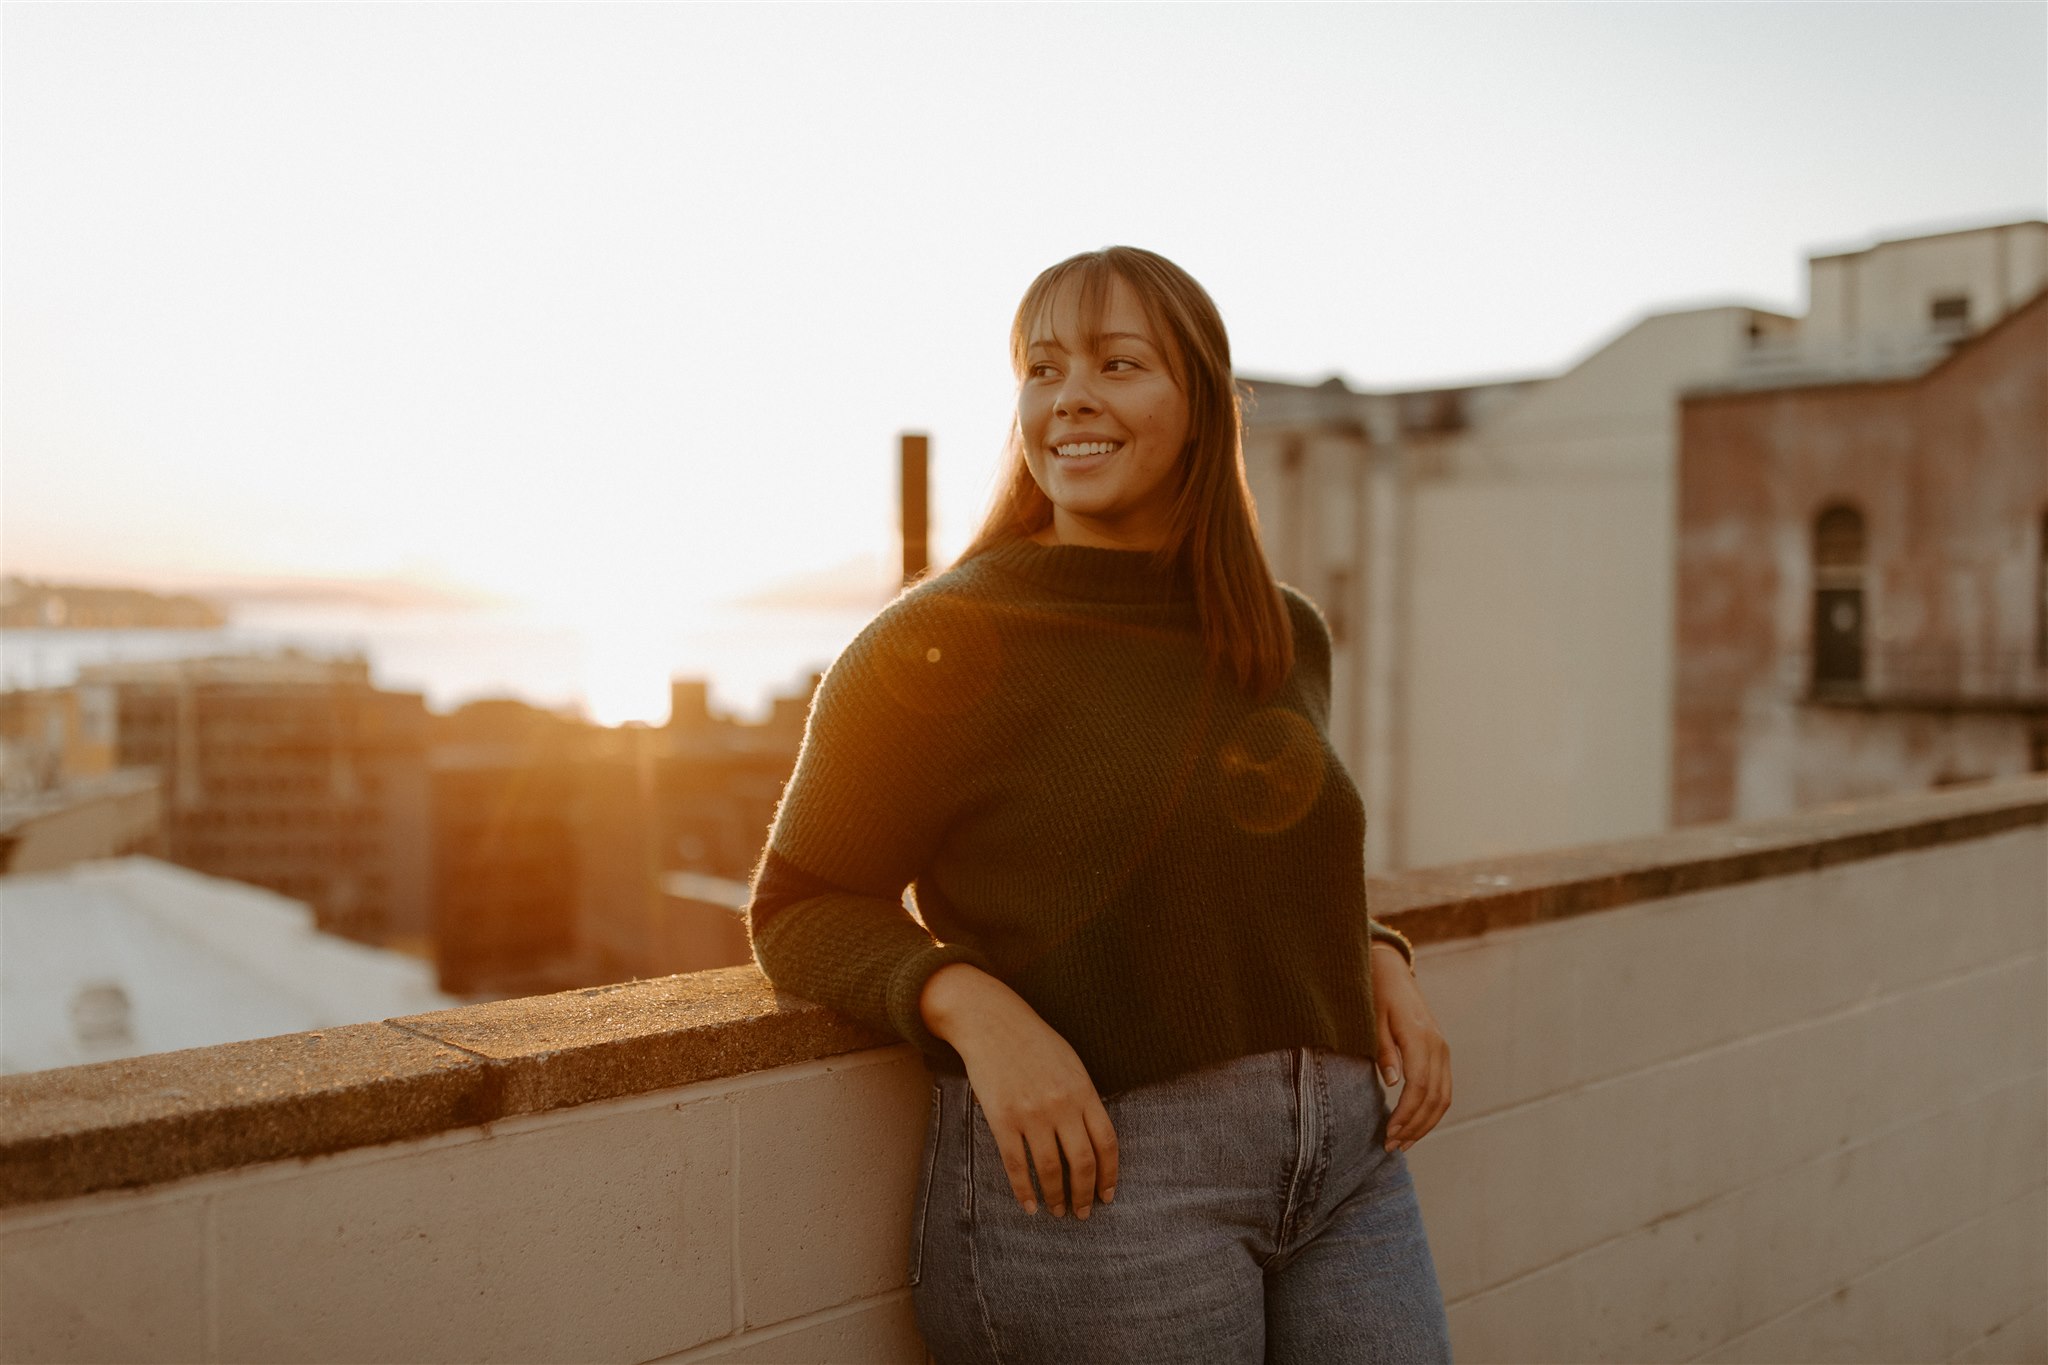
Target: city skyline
(562,307)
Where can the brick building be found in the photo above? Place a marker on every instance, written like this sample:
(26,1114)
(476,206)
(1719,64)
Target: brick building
(1863,567)
(547,873)
(720,781)
(53,735)
(285,772)
(567,854)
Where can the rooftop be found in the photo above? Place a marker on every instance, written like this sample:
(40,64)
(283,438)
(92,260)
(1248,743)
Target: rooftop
(1766,1091)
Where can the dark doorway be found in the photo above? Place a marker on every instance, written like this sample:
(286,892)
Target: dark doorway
(1839,611)
(1837,638)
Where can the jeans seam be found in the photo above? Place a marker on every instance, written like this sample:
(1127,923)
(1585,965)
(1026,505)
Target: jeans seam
(931,1168)
(1321,1169)
(967,1164)
(988,1327)
(1293,1181)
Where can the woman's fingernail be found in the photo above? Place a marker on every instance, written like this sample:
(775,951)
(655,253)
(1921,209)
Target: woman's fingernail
(1390,1076)
(1109,1195)
(1031,1206)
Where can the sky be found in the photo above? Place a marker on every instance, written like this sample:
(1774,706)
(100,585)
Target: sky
(601,307)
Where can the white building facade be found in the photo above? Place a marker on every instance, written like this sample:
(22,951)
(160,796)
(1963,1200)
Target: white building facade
(1496,559)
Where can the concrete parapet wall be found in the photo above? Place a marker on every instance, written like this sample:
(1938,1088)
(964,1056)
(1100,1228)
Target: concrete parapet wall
(1761,1092)
(1803,1118)
(759,1217)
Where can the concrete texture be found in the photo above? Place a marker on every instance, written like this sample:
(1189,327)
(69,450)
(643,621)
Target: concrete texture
(550,1051)
(616,1246)
(1467,899)
(1818,1161)
(146,1120)
(124,1284)
(827,1171)
(882,1331)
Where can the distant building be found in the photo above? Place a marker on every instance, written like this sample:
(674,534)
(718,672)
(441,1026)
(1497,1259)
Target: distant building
(1497,559)
(116,959)
(289,773)
(720,781)
(1495,562)
(108,816)
(50,735)
(1863,553)
(567,854)
(544,870)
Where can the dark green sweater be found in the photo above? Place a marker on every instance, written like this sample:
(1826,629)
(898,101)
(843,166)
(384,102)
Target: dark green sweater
(1169,872)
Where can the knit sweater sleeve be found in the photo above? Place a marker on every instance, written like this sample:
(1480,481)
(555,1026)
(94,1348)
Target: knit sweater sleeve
(877,780)
(1312,664)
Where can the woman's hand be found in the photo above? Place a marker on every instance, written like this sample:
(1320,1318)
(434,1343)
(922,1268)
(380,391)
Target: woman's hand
(1031,1085)
(1411,1049)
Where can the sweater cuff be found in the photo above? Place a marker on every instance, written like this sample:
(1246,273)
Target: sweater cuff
(1384,933)
(906,989)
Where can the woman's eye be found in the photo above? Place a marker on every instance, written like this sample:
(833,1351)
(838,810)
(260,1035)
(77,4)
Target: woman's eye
(1119,360)
(1039,371)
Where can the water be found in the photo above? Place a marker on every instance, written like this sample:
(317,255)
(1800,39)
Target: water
(613,671)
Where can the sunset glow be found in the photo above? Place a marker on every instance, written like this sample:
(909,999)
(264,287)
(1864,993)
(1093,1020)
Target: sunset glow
(614,314)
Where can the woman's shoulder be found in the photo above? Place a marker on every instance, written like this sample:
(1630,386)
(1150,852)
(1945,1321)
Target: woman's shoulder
(934,649)
(1306,618)
(1311,634)
(941,602)
(1301,608)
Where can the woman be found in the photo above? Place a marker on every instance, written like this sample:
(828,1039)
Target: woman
(1145,980)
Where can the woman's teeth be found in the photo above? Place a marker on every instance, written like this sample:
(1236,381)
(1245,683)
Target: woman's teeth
(1086,448)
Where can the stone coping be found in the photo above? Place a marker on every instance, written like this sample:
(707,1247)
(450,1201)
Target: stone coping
(1463,900)
(145,1120)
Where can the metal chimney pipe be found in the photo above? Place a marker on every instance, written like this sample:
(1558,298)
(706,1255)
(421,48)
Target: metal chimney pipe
(916,505)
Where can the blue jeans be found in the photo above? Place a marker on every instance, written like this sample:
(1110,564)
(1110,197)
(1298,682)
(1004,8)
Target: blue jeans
(1258,1218)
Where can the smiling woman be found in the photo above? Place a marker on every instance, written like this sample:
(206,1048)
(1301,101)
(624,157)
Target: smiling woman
(1124,335)
(1103,421)
(1097,749)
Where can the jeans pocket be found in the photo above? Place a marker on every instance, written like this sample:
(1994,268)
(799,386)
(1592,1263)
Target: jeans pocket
(926,1168)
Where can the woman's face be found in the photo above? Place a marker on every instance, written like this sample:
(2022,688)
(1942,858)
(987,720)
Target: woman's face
(1105,426)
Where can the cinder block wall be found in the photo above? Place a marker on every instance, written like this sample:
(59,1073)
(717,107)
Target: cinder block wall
(1800,1116)
(760,1218)
(1804,1118)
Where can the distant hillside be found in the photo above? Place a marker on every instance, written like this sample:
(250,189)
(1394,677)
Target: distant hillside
(27,602)
(350,594)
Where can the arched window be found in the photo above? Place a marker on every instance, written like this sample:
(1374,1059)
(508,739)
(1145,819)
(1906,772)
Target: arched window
(1838,608)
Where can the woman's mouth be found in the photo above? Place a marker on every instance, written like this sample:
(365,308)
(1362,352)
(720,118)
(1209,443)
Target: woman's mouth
(1081,450)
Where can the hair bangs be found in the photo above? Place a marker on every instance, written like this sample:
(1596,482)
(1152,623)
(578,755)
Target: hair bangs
(1095,276)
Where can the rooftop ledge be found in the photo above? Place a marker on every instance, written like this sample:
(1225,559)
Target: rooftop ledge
(145,1120)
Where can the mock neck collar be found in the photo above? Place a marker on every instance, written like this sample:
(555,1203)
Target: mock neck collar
(1091,573)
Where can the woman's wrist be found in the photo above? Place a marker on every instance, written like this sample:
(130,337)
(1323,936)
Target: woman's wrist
(1380,945)
(949,995)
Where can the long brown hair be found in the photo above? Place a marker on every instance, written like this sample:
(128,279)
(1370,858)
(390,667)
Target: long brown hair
(1212,529)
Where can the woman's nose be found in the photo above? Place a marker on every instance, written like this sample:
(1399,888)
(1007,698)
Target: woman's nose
(1075,396)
